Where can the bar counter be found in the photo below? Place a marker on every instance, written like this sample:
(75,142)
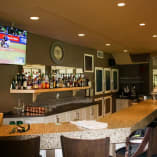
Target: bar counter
(120,125)
(60,109)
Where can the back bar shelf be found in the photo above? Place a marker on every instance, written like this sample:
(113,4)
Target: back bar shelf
(36,92)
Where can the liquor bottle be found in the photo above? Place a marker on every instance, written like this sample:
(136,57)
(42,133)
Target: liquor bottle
(75,81)
(64,82)
(47,82)
(71,80)
(16,84)
(39,81)
(35,83)
(68,81)
(22,78)
(87,82)
(18,81)
(83,80)
(51,82)
(78,80)
(24,82)
(32,74)
(13,84)
(54,82)
(57,84)
(43,81)
(29,81)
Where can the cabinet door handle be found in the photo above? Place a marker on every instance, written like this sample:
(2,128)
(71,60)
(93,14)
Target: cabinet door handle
(57,119)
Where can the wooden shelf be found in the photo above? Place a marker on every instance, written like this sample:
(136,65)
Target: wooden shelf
(37,91)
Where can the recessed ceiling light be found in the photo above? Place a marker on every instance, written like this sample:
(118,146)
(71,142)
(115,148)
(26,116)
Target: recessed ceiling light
(107,44)
(121,4)
(142,24)
(34,18)
(125,51)
(81,35)
(154,36)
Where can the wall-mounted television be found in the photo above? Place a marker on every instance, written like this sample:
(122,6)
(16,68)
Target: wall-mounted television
(13,43)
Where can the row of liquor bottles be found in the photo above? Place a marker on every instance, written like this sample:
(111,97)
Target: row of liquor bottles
(32,80)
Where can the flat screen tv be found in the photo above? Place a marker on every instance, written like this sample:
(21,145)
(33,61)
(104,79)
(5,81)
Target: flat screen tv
(13,43)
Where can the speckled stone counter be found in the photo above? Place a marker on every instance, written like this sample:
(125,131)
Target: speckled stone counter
(50,133)
(120,125)
(134,117)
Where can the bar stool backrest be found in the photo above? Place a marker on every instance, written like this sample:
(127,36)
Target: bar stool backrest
(152,148)
(85,148)
(141,147)
(19,146)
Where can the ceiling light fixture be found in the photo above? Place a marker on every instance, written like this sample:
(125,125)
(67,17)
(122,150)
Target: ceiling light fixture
(107,44)
(34,18)
(121,4)
(142,24)
(81,35)
(125,51)
(154,36)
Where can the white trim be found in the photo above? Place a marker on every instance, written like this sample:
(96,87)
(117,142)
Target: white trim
(107,69)
(98,99)
(31,67)
(92,62)
(101,92)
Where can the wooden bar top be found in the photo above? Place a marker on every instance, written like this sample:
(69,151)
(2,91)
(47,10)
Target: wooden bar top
(137,116)
(40,129)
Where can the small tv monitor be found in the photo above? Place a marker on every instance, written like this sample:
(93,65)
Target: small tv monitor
(13,43)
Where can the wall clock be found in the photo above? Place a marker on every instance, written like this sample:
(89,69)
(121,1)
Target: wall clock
(57,52)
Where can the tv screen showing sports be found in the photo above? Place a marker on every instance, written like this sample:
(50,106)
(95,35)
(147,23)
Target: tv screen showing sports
(13,43)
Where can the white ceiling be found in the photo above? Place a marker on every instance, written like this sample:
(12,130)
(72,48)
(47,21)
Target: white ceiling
(102,22)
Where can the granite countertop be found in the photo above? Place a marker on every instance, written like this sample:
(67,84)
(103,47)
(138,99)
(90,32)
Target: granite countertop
(137,116)
(40,129)
(120,125)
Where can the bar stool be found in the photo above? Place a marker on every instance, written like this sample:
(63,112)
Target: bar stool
(85,148)
(136,147)
(20,146)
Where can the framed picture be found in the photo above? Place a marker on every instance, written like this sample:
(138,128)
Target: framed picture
(100,54)
(88,63)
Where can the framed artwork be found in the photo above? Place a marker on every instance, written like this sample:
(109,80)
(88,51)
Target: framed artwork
(88,63)
(100,54)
